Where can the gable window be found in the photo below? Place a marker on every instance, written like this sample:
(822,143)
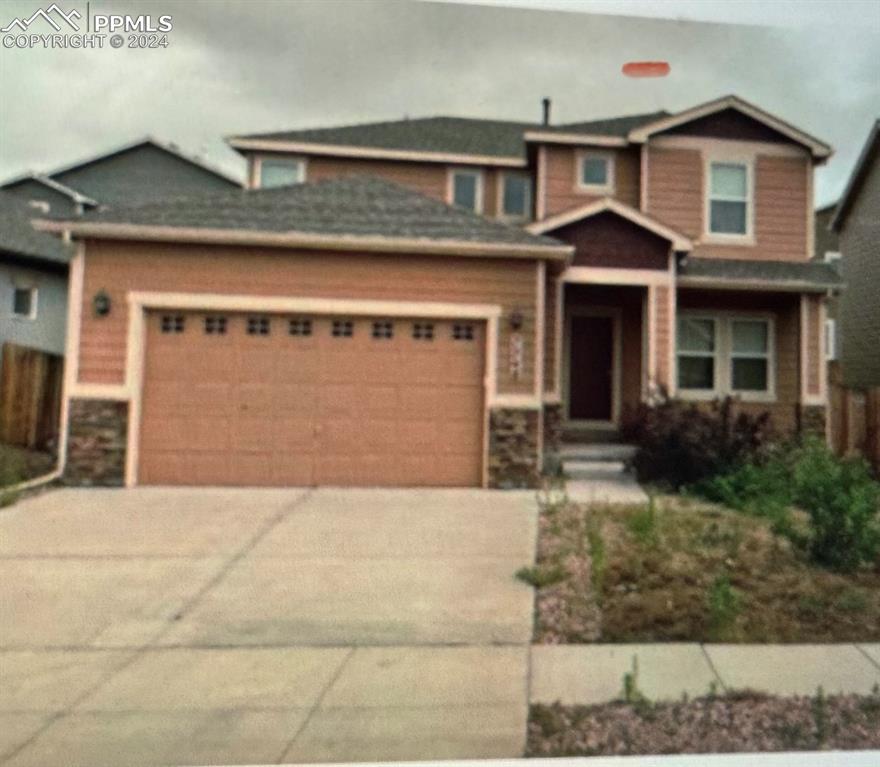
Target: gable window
(749,355)
(466,189)
(595,171)
(697,346)
(277,172)
(24,303)
(516,196)
(729,198)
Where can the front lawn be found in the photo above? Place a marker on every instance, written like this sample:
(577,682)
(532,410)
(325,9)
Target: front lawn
(738,722)
(678,569)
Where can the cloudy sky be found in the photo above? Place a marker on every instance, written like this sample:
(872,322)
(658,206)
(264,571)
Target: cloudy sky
(235,66)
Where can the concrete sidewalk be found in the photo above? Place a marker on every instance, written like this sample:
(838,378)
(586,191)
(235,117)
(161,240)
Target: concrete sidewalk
(586,674)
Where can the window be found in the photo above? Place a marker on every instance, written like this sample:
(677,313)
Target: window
(172,323)
(697,345)
(300,327)
(423,331)
(463,332)
(725,354)
(383,329)
(281,172)
(596,171)
(343,329)
(467,189)
(215,326)
(24,303)
(516,196)
(749,355)
(830,339)
(258,326)
(729,199)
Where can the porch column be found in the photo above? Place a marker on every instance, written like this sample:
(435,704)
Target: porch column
(813,367)
(660,317)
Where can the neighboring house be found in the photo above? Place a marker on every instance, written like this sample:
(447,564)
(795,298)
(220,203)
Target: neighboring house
(856,221)
(141,171)
(828,250)
(33,280)
(434,302)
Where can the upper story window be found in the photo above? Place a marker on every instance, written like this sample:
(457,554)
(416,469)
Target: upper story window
(281,171)
(24,303)
(466,189)
(729,199)
(516,195)
(595,171)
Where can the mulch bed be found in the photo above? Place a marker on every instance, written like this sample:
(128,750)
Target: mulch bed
(739,722)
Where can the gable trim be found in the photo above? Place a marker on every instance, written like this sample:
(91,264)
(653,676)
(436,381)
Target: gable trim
(677,240)
(819,149)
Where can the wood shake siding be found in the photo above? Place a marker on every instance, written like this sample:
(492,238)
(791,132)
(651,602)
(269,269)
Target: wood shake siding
(676,197)
(426,178)
(562,192)
(785,308)
(119,268)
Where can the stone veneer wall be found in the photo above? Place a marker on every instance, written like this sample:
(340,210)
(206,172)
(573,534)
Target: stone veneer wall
(552,427)
(513,448)
(97,433)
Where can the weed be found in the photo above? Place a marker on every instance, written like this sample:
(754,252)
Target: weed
(820,717)
(597,557)
(724,606)
(541,576)
(853,601)
(11,467)
(643,523)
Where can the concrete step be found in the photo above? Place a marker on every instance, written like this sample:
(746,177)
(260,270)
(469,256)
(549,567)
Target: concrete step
(602,453)
(592,469)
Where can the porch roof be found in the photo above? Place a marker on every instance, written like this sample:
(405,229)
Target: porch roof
(800,276)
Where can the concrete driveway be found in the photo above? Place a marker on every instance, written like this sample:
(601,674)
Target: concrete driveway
(199,626)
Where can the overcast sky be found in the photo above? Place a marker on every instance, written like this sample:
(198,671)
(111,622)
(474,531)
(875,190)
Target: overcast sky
(236,66)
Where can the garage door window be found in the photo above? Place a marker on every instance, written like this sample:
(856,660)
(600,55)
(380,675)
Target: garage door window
(383,329)
(215,326)
(343,328)
(423,331)
(463,332)
(258,326)
(172,323)
(300,327)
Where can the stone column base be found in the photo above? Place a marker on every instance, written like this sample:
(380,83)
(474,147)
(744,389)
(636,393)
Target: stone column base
(96,442)
(812,419)
(513,448)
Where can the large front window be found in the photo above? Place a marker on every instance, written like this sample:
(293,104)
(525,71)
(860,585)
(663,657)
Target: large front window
(728,198)
(697,345)
(749,355)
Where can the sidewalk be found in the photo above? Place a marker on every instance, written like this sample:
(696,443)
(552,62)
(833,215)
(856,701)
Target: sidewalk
(586,674)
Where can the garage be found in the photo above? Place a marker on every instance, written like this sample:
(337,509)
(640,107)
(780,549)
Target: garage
(289,400)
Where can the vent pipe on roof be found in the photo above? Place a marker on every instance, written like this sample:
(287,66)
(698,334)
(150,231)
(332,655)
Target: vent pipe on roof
(545,103)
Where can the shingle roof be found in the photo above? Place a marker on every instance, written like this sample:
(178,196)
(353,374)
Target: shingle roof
(353,206)
(808,275)
(20,240)
(457,135)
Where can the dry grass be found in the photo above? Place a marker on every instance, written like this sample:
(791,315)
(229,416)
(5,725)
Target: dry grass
(18,464)
(738,722)
(657,572)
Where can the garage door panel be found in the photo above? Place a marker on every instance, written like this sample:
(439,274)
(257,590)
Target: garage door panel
(281,409)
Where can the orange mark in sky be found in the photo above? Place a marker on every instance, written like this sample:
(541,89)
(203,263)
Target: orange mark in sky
(646,69)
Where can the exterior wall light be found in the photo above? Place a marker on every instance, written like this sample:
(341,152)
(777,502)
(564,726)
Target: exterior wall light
(516,319)
(101,303)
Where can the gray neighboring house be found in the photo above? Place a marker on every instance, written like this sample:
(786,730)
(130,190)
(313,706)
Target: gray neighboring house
(142,171)
(33,280)
(827,250)
(857,222)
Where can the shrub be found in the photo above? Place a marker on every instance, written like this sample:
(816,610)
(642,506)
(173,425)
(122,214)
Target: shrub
(843,503)
(682,443)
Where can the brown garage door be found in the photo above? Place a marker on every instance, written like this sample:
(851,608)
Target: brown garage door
(234,399)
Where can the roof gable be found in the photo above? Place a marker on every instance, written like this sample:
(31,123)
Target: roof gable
(19,239)
(867,159)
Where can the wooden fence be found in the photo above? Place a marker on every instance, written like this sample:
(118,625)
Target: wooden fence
(853,418)
(30,397)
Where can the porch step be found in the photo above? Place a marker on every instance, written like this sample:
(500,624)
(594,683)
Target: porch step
(596,473)
(596,453)
(577,469)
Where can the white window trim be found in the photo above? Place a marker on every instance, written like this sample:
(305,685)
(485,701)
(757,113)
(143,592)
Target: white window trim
(721,238)
(478,173)
(723,373)
(830,339)
(605,189)
(499,203)
(32,314)
(258,167)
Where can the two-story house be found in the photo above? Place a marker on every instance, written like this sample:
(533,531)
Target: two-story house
(435,301)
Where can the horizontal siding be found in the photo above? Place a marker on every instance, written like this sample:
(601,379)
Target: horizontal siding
(562,192)
(120,268)
(676,197)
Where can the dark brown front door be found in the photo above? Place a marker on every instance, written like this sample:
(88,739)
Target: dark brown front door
(591,363)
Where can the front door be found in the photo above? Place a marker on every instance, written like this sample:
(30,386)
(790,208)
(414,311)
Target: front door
(591,368)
